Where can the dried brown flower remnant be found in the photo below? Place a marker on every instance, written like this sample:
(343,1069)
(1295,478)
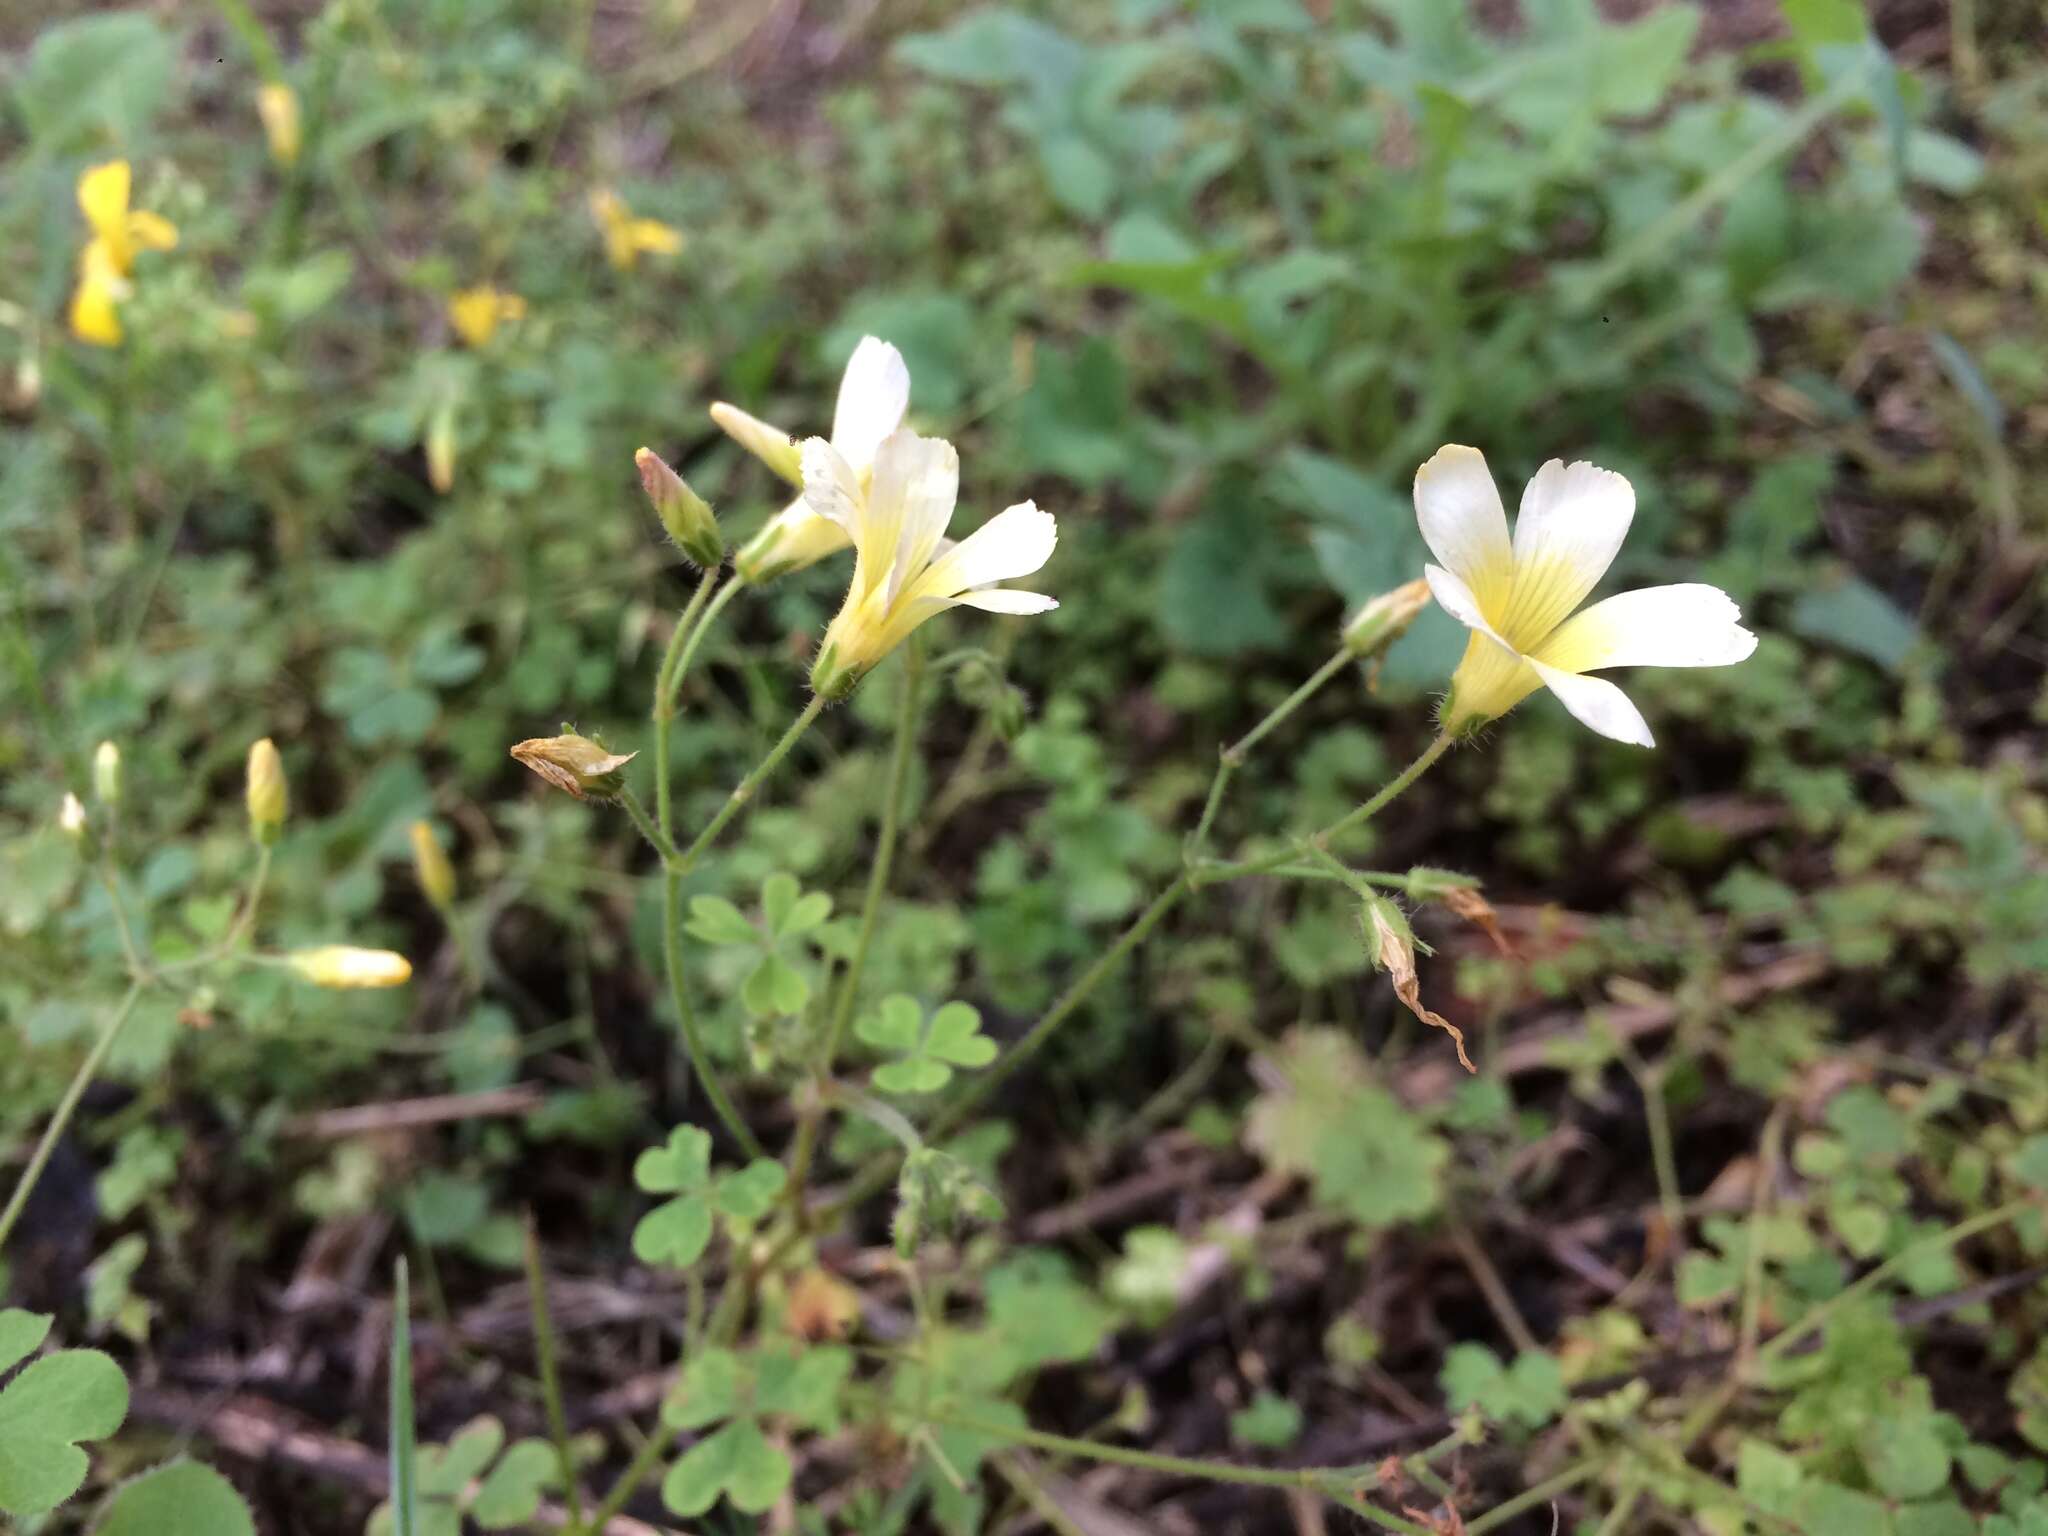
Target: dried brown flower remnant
(575,764)
(1394,953)
(1466,902)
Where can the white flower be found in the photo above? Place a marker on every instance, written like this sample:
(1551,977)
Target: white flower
(874,393)
(1518,599)
(896,520)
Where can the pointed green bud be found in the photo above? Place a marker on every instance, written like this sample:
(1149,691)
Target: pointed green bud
(106,774)
(686,515)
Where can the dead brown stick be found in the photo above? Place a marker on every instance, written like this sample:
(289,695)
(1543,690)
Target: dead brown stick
(411,1114)
(258,1430)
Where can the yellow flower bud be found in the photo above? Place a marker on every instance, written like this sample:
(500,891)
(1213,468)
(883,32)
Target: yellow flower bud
(1385,618)
(431,867)
(267,796)
(441,448)
(278,105)
(106,774)
(575,764)
(686,515)
(347,967)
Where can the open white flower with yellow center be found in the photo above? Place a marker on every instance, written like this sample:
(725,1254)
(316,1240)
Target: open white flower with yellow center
(1518,598)
(874,392)
(896,520)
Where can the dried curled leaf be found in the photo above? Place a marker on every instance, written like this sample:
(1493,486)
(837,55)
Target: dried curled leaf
(1395,954)
(1466,902)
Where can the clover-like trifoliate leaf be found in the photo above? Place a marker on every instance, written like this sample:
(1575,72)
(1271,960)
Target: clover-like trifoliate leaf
(507,1499)
(445,1470)
(788,910)
(803,1383)
(749,1193)
(681,1166)
(180,1498)
(676,1232)
(716,921)
(775,988)
(49,1408)
(735,1460)
(714,1386)
(929,1048)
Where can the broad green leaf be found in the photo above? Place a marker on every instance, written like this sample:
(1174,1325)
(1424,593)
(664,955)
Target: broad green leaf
(444,1471)
(95,83)
(749,1193)
(1856,616)
(736,1460)
(804,1384)
(713,1387)
(1906,1456)
(674,1233)
(894,1024)
(775,989)
(50,1407)
(714,920)
(1269,1421)
(21,1335)
(682,1164)
(508,1497)
(1531,1392)
(182,1498)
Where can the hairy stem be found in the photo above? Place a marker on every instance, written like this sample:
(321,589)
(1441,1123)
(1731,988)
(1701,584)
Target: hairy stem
(664,698)
(66,1106)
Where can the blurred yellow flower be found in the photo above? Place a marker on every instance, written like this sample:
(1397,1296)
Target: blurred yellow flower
(278,105)
(1517,599)
(108,260)
(347,967)
(627,237)
(874,393)
(476,313)
(430,866)
(897,524)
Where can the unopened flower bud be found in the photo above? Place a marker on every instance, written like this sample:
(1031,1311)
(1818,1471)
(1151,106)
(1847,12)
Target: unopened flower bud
(278,105)
(575,764)
(441,449)
(346,967)
(686,515)
(430,866)
(106,774)
(71,818)
(1385,619)
(266,794)
(772,446)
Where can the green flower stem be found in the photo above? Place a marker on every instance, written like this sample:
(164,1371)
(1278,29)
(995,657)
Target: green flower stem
(878,1173)
(66,1106)
(1334,1482)
(1233,756)
(656,838)
(644,1461)
(550,1380)
(745,790)
(1530,1498)
(686,1016)
(675,867)
(871,906)
(665,697)
(1949,1237)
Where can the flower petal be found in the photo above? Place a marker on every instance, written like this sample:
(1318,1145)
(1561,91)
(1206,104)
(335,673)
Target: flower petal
(1459,601)
(1570,527)
(874,392)
(770,444)
(916,485)
(1459,510)
(831,488)
(103,199)
(152,231)
(1689,625)
(1597,704)
(1015,542)
(1007,600)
